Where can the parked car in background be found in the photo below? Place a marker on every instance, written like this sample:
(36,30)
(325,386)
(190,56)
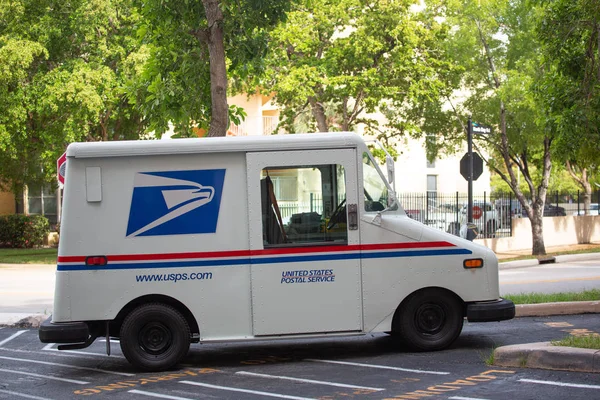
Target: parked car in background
(485,217)
(550,211)
(439,216)
(592,211)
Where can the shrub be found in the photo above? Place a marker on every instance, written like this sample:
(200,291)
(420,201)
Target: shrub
(23,230)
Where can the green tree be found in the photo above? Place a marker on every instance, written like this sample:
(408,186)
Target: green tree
(64,69)
(496,44)
(570,34)
(196,49)
(334,64)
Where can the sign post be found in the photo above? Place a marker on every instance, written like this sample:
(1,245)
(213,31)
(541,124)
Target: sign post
(470,170)
(471,165)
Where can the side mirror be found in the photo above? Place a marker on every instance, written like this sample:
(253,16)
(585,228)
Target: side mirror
(389,163)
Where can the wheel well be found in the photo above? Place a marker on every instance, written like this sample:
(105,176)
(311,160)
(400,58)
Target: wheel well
(115,325)
(396,317)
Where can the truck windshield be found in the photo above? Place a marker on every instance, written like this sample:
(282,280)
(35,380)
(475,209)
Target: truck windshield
(376,190)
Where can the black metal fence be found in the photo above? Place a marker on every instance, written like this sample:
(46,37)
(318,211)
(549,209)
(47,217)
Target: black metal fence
(572,203)
(492,213)
(448,212)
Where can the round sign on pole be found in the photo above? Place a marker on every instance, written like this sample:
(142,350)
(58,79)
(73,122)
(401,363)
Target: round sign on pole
(61,167)
(477,212)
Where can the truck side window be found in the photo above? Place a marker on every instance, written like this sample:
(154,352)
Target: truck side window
(303,205)
(375,190)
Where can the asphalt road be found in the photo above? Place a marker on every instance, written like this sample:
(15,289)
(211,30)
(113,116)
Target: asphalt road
(572,276)
(365,367)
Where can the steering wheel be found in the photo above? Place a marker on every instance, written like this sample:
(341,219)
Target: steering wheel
(338,213)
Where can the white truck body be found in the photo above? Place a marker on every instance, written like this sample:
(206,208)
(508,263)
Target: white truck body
(183,223)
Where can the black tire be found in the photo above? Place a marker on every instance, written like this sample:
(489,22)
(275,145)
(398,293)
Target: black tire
(429,320)
(155,337)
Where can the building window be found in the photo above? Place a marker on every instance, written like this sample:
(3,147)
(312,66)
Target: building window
(431,183)
(431,164)
(41,200)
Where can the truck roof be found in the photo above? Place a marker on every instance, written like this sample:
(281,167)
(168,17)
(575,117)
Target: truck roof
(305,141)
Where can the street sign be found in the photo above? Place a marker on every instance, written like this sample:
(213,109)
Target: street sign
(61,169)
(477,166)
(477,213)
(481,129)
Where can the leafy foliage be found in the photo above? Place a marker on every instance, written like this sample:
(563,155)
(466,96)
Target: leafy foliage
(175,84)
(570,91)
(24,231)
(336,63)
(65,67)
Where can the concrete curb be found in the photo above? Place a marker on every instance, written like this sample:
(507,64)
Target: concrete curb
(562,308)
(17,320)
(544,355)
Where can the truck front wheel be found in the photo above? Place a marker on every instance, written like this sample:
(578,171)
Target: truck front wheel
(155,337)
(429,320)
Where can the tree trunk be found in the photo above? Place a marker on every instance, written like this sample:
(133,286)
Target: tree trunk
(538,247)
(218,69)
(536,218)
(319,113)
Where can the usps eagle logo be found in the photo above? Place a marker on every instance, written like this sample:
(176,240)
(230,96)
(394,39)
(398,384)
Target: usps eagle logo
(175,202)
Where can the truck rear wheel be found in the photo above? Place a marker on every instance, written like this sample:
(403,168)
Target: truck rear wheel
(155,337)
(429,320)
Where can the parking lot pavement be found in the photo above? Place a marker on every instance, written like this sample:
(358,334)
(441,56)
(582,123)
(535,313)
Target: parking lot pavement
(27,295)
(365,367)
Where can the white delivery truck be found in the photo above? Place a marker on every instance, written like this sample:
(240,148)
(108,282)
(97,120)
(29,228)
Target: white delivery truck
(171,242)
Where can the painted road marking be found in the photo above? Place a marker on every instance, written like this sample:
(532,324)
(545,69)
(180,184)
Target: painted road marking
(417,371)
(580,332)
(161,396)
(558,324)
(26,396)
(575,385)
(54,378)
(436,390)
(8,339)
(66,366)
(287,378)
(465,398)
(53,354)
(49,347)
(268,394)
(129,384)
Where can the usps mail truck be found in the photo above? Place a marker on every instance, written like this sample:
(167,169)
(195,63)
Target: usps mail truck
(170,242)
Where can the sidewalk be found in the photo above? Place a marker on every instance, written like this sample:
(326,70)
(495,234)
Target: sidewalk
(550,249)
(27,296)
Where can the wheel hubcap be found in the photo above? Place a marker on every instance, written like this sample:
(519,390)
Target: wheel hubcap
(155,338)
(430,318)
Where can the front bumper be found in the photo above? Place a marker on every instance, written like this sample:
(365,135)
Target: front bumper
(486,311)
(63,332)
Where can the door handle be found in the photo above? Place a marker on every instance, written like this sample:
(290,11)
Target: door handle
(352,217)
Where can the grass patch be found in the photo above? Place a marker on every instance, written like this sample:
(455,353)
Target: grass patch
(583,342)
(489,360)
(28,256)
(537,298)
